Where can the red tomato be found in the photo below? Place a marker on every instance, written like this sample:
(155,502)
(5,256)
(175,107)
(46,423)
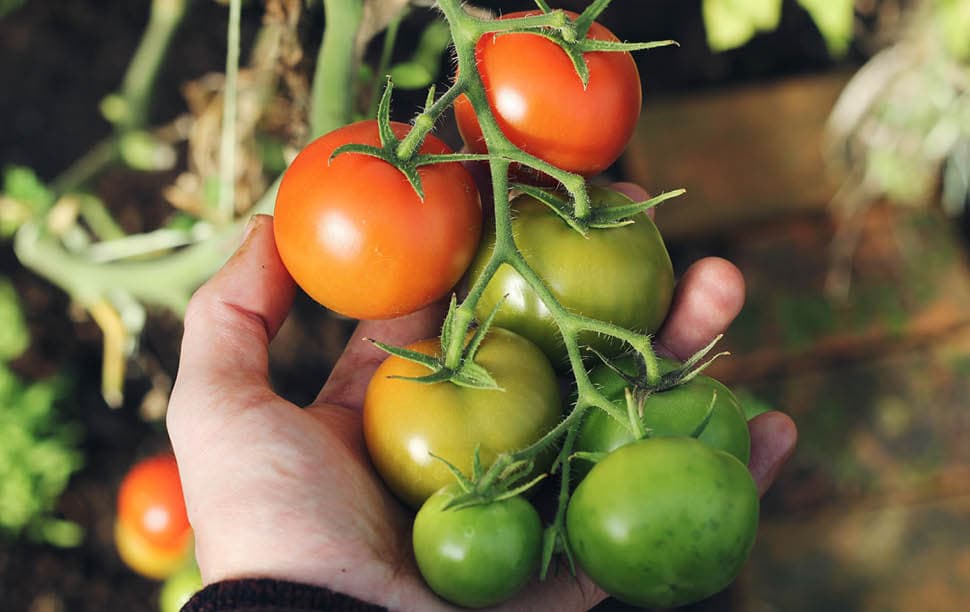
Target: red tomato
(355,236)
(541,106)
(150,504)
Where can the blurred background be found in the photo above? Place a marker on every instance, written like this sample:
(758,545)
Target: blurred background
(825,149)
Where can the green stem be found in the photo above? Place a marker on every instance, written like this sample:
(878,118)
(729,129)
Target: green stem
(167,281)
(227,145)
(426,121)
(334,81)
(139,81)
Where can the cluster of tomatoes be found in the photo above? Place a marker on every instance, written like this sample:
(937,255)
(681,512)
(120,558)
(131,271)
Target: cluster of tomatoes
(152,532)
(658,521)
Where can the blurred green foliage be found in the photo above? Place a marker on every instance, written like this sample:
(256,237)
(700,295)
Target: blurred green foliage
(24,197)
(732,23)
(39,447)
(39,453)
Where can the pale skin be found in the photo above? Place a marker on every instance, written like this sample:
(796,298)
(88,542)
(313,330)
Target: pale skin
(276,491)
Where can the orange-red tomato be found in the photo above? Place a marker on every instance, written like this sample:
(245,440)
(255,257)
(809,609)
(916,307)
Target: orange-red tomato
(541,106)
(150,504)
(356,237)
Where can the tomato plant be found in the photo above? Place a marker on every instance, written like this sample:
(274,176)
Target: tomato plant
(542,106)
(621,275)
(405,422)
(677,532)
(480,555)
(355,235)
(673,412)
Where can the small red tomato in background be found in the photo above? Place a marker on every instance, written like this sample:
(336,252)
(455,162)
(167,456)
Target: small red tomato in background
(152,531)
(356,237)
(541,106)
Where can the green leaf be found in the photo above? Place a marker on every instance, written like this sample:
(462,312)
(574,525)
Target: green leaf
(732,23)
(835,20)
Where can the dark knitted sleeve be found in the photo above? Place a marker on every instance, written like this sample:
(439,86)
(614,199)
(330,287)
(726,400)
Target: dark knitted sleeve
(263,595)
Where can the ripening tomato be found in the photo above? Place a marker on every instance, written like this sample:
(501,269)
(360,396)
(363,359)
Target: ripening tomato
(620,275)
(405,422)
(150,503)
(663,522)
(356,237)
(480,555)
(542,107)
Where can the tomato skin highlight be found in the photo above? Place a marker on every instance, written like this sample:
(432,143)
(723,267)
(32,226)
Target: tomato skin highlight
(542,107)
(356,237)
(480,555)
(664,522)
(674,412)
(150,503)
(404,421)
(620,275)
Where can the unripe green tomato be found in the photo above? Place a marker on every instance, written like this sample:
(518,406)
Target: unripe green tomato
(620,275)
(477,556)
(663,522)
(674,412)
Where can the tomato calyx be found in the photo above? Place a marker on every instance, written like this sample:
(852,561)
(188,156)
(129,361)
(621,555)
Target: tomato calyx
(493,485)
(578,215)
(571,37)
(465,372)
(403,153)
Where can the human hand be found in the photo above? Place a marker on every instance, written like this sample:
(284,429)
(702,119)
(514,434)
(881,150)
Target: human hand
(274,491)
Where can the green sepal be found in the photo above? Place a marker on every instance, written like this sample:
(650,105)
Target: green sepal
(616,216)
(588,45)
(554,541)
(690,368)
(558,205)
(707,418)
(410,172)
(543,6)
(463,481)
(415,356)
(362,149)
(473,376)
(449,323)
(592,457)
(471,349)
(388,139)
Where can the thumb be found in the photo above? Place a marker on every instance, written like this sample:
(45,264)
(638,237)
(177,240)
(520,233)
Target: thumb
(228,326)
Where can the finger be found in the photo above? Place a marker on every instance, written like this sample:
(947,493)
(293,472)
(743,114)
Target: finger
(350,375)
(707,299)
(773,439)
(230,321)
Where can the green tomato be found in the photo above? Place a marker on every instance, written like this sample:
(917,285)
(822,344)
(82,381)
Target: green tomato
(477,556)
(663,522)
(620,275)
(674,412)
(179,588)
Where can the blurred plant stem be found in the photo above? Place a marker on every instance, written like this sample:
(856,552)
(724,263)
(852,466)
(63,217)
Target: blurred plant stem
(332,97)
